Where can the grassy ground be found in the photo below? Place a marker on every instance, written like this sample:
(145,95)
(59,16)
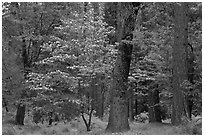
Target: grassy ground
(77,127)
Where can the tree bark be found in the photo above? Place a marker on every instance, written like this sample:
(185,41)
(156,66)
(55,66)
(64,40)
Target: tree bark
(20,114)
(136,110)
(118,115)
(154,112)
(131,103)
(179,62)
(190,67)
(21,107)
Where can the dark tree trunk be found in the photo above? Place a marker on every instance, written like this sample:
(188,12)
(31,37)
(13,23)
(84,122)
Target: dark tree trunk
(136,110)
(190,68)
(20,114)
(179,62)
(88,124)
(7,110)
(102,106)
(189,103)
(118,115)
(154,111)
(50,115)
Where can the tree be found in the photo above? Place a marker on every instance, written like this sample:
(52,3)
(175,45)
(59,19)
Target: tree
(151,64)
(179,61)
(118,115)
(192,87)
(28,26)
(77,50)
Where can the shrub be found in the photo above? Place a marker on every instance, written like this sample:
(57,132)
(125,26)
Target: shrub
(142,117)
(193,127)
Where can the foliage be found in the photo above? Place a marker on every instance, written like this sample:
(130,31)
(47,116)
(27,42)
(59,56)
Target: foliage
(61,48)
(52,53)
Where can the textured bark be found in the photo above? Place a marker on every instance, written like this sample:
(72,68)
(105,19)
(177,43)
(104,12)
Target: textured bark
(179,62)
(118,115)
(154,112)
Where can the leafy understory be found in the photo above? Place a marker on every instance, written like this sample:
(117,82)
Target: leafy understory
(77,127)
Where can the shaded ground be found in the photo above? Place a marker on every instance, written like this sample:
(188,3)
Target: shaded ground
(77,127)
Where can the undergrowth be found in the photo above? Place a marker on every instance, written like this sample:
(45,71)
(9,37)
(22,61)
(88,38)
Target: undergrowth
(77,127)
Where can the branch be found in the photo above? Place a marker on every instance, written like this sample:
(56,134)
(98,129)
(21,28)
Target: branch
(90,114)
(190,47)
(50,26)
(84,119)
(41,15)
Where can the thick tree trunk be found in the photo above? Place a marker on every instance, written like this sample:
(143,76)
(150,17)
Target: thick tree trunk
(118,115)
(154,112)
(20,114)
(179,63)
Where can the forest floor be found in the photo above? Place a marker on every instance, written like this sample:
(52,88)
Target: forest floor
(77,127)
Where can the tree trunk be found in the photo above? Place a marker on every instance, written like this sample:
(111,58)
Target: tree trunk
(88,124)
(130,106)
(20,114)
(5,103)
(190,67)
(118,115)
(101,100)
(20,106)
(136,110)
(154,112)
(179,62)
